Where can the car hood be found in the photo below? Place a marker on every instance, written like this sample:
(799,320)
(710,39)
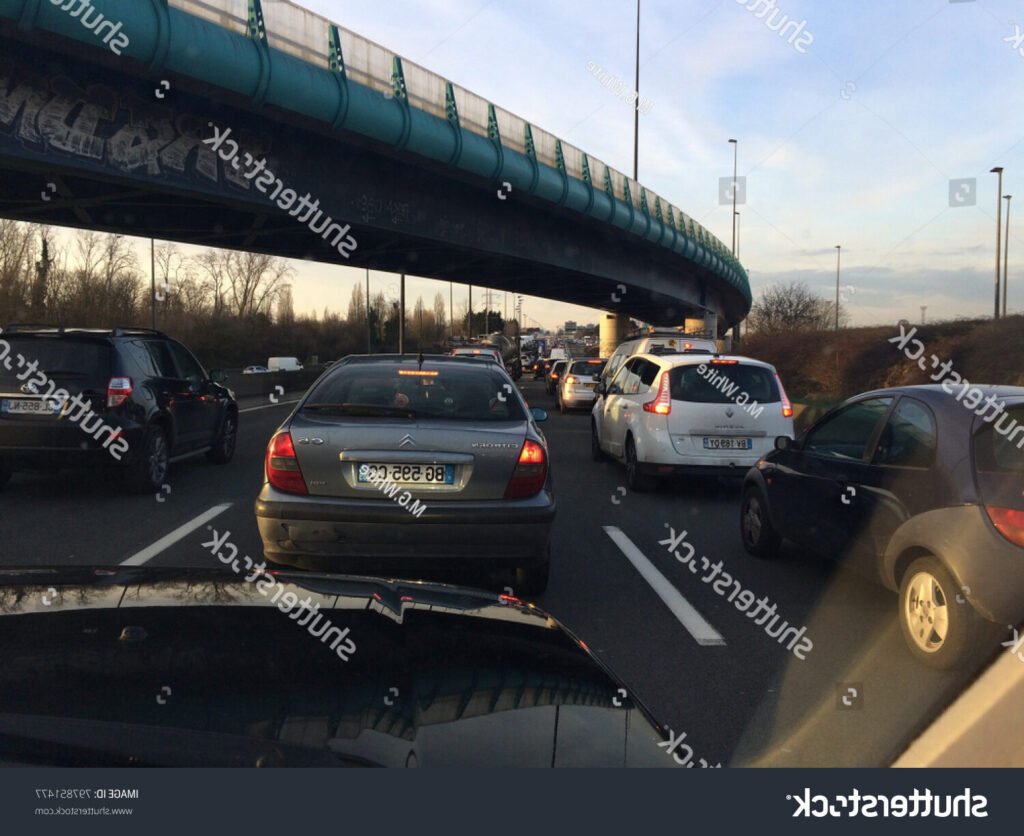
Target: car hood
(126,666)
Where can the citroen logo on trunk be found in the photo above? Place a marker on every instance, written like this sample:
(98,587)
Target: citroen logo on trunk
(729,412)
(407,441)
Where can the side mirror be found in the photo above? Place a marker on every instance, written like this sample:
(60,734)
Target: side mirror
(539,415)
(784,442)
(218,375)
(600,389)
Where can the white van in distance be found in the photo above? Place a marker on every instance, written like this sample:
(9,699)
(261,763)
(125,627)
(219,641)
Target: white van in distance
(284,364)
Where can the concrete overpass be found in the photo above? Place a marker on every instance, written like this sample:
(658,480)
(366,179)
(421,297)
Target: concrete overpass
(150,118)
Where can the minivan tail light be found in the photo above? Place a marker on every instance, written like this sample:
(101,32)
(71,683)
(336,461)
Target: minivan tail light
(119,389)
(531,472)
(1009,522)
(787,407)
(662,404)
(282,465)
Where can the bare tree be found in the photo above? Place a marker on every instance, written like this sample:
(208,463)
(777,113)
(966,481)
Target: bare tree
(785,308)
(249,282)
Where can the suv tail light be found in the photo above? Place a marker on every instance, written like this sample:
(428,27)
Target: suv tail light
(571,380)
(531,472)
(119,389)
(787,407)
(662,404)
(1009,522)
(283,471)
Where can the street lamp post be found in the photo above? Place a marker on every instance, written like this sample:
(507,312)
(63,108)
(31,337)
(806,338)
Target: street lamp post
(1006,252)
(736,216)
(839,250)
(735,160)
(369,333)
(636,107)
(401,316)
(999,229)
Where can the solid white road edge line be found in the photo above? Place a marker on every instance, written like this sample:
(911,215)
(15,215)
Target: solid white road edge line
(696,625)
(179,533)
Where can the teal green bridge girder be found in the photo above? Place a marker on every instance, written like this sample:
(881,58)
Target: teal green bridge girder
(319,85)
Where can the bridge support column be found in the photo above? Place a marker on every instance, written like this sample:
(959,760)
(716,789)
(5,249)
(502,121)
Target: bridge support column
(612,331)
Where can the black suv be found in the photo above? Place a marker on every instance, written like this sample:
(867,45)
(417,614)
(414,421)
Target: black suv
(131,397)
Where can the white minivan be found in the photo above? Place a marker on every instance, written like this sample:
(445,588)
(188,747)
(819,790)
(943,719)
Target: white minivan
(284,364)
(658,341)
(669,414)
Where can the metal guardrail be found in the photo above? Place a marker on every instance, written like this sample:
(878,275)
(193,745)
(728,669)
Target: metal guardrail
(307,36)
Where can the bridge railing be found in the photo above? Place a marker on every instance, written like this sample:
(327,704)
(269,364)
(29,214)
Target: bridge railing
(305,34)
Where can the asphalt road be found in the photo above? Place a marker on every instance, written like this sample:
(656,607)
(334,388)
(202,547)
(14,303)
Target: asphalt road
(703,667)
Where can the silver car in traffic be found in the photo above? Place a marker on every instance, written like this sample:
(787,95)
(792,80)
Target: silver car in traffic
(393,460)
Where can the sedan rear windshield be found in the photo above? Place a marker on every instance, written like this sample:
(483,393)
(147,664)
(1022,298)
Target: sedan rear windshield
(723,383)
(454,392)
(57,358)
(588,367)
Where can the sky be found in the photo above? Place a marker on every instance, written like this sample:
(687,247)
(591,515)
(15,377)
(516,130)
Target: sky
(849,135)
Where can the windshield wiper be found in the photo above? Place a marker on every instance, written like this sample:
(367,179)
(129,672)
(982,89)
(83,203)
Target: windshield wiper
(367,409)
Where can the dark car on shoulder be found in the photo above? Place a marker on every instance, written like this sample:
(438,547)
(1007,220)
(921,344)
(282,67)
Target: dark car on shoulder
(131,398)
(921,491)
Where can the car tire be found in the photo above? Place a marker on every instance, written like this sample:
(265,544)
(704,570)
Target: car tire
(533,580)
(224,447)
(146,470)
(940,631)
(637,481)
(760,538)
(596,453)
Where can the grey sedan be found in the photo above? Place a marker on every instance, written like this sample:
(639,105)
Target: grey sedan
(390,460)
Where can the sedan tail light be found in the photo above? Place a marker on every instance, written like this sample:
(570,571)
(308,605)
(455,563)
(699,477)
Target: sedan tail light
(283,471)
(1009,522)
(531,472)
(787,407)
(571,380)
(119,389)
(662,404)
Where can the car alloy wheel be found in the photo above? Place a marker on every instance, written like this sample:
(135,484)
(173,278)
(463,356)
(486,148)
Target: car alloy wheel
(926,610)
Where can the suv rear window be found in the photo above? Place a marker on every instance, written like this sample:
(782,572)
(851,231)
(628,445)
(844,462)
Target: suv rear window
(723,383)
(58,357)
(452,392)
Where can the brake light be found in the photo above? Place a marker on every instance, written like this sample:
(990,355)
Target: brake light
(531,472)
(554,375)
(787,407)
(727,363)
(570,380)
(119,389)
(662,404)
(1009,522)
(282,465)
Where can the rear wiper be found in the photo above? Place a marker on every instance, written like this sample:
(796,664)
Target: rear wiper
(367,409)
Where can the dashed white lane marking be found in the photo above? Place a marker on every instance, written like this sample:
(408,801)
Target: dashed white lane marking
(696,625)
(179,533)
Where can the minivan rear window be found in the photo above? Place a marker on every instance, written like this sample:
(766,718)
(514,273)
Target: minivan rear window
(57,358)
(714,383)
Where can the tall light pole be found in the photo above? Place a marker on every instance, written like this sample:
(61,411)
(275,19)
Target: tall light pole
(1006,251)
(152,279)
(451,312)
(636,108)
(839,250)
(736,216)
(735,143)
(469,316)
(999,229)
(369,333)
(401,316)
